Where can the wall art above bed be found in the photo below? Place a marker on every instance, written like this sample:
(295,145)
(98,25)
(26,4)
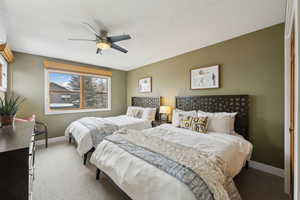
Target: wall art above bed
(205,77)
(145,84)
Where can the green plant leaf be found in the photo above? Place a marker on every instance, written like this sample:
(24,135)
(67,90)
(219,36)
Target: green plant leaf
(9,105)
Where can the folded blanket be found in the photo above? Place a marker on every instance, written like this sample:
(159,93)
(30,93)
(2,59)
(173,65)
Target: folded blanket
(98,127)
(89,132)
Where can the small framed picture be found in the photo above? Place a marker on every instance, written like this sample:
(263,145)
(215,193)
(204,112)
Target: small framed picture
(205,77)
(145,84)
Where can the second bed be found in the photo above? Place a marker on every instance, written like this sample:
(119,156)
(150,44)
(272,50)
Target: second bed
(88,132)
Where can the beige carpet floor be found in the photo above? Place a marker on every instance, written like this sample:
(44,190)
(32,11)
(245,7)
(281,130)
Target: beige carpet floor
(60,175)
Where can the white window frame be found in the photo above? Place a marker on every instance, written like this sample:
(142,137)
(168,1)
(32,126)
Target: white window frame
(48,111)
(4,65)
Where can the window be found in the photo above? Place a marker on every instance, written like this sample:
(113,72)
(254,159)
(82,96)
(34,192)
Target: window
(68,92)
(3,74)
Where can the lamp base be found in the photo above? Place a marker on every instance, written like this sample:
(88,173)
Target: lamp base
(163,117)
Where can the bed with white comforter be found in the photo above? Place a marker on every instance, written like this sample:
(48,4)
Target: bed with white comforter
(222,157)
(88,132)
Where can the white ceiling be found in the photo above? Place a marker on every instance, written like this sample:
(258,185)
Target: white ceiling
(160,29)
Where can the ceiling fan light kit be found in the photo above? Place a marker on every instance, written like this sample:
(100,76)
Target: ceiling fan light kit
(103,45)
(103,41)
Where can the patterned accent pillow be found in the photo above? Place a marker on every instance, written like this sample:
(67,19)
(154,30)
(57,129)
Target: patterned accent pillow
(186,122)
(178,115)
(199,124)
(134,112)
(139,113)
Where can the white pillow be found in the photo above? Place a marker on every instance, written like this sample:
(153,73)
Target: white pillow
(134,111)
(178,115)
(149,114)
(219,122)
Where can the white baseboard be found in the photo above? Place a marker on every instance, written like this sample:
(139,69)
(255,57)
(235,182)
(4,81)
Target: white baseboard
(51,140)
(266,168)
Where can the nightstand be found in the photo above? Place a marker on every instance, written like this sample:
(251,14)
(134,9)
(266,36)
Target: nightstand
(159,122)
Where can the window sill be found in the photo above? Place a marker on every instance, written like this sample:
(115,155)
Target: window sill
(48,112)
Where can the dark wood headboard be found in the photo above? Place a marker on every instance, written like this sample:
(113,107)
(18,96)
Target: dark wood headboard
(220,103)
(149,102)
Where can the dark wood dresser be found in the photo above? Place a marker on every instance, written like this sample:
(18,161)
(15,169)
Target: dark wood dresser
(17,161)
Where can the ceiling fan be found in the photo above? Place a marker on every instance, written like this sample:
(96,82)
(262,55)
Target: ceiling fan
(103,41)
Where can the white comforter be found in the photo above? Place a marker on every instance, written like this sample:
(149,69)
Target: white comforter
(84,139)
(233,149)
(142,181)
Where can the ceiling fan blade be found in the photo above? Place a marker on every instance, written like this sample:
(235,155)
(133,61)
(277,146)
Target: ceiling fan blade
(77,39)
(117,47)
(118,38)
(91,29)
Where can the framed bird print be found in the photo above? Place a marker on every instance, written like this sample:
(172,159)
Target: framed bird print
(205,77)
(145,84)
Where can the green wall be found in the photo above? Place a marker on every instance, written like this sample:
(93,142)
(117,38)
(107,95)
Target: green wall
(26,78)
(252,64)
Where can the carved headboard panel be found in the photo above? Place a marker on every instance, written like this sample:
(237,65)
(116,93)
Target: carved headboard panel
(220,103)
(149,102)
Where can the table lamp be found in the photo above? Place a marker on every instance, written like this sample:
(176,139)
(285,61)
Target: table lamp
(164,112)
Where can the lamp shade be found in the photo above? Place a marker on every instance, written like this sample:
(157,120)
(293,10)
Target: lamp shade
(165,109)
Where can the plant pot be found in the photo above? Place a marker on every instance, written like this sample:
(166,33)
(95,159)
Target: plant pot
(6,120)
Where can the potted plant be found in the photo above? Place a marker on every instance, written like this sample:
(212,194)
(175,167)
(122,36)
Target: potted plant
(9,106)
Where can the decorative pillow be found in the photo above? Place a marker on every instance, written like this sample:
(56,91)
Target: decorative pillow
(134,111)
(219,122)
(199,124)
(178,115)
(185,122)
(149,114)
(130,108)
(139,113)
